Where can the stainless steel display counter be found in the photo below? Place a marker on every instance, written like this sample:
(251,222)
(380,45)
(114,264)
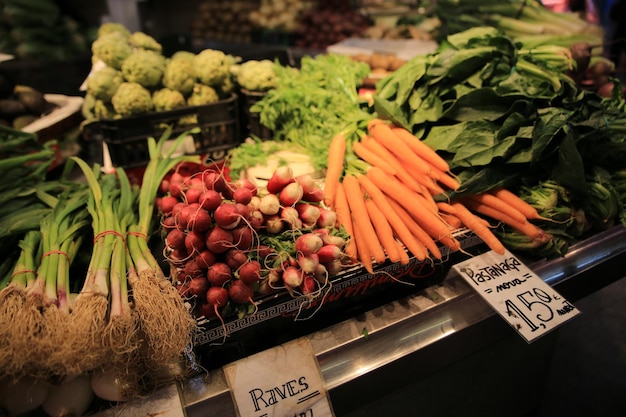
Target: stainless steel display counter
(437,321)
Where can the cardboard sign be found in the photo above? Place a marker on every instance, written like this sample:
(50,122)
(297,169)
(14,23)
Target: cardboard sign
(521,297)
(278,382)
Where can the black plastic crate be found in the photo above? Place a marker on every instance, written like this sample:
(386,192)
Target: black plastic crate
(252,121)
(126,138)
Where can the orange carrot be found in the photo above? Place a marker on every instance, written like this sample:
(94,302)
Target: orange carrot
(452,220)
(433,224)
(334,168)
(526,227)
(345,219)
(383,134)
(449,181)
(415,229)
(420,148)
(365,256)
(401,172)
(383,230)
(499,204)
(372,158)
(360,218)
(471,221)
(519,203)
(401,230)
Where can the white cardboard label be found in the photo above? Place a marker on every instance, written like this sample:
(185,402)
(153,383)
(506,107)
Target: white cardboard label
(521,297)
(278,382)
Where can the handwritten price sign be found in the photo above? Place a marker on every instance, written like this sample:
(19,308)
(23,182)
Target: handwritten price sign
(522,298)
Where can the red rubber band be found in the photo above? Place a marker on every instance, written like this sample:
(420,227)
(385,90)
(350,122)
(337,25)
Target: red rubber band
(56,252)
(23,271)
(107,232)
(138,234)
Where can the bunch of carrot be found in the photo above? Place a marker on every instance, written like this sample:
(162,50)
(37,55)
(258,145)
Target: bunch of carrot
(389,207)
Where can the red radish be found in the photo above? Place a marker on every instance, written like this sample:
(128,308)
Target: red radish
(234,258)
(207,310)
(290,194)
(309,213)
(198,286)
(226,216)
(214,181)
(273,224)
(281,176)
(250,272)
(309,285)
(164,187)
(192,195)
(210,200)
(219,240)
(242,195)
(307,263)
(256,220)
(243,237)
(308,243)
(229,189)
(175,239)
(167,203)
(269,204)
(327,218)
(168,223)
(291,217)
(292,277)
(195,182)
(183,289)
(321,274)
(192,269)
(176,190)
(219,274)
(199,220)
(195,242)
(217,296)
(312,192)
(255,203)
(263,251)
(274,278)
(329,253)
(177,178)
(205,258)
(334,267)
(240,293)
(177,256)
(242,210)
(246,183)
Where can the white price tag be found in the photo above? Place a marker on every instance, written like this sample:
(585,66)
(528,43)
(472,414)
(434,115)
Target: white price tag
(278,382)
(521,297)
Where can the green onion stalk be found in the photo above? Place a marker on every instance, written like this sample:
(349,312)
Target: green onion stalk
(42,325)
(12,300)
(164,319)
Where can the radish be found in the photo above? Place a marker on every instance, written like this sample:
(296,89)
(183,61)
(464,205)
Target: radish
(290,194)
(207,310)
(309,213)
(168,223)
(210,200)
(198,286)
(256,220)
(214,181)
(327,219)
(234,258)
(176,190)
(192,268)
(250,272)
(226,216)
(195,242)
(199,220)
(273,224)
(291,216)
(177,256)
(242,195)
(192,195)
(243,237)
(292,277)
(307,263)
(255,203)
(264,251)
(309,285)
(281,176)
(217,297)
(240,293)
(329,253)
(247,184)
(167,203)
(205,258)
(321,274)
(219,274)
(269,204)
(175,239)
(219,240)
(334,267)
(312,192)
(242,210)
(308,243)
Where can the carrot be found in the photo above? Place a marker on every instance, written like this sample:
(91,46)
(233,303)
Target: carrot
(365,256)
(433,224)
(383,134)
(449,181)
(372,158)
(415,229)
(452,220)
(360,218)
(401,172)
(516,201)
(383,230)
(345,219)
(420,148)
(471,221)
(334,168)
(499,204)
(401,230)
(526,227)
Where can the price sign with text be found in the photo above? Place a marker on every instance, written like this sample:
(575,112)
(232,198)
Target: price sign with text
(522,298)
(283,381)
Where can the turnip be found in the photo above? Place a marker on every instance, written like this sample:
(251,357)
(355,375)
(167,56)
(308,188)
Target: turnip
(210,200)
(281,176)
(22,396)
(111,385)
(226,216)
(240,293)
(308,243)
(290,194)
(234,258)
(219,274)
(309,213)
(250,272)
(269,204)
(219,240)
(205,258)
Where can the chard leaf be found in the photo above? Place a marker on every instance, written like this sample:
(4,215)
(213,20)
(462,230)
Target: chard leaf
(442,137)
(480,104)
(569,171)
(547,131)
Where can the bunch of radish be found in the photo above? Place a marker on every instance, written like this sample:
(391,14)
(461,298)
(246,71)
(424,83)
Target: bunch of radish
(228,242)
